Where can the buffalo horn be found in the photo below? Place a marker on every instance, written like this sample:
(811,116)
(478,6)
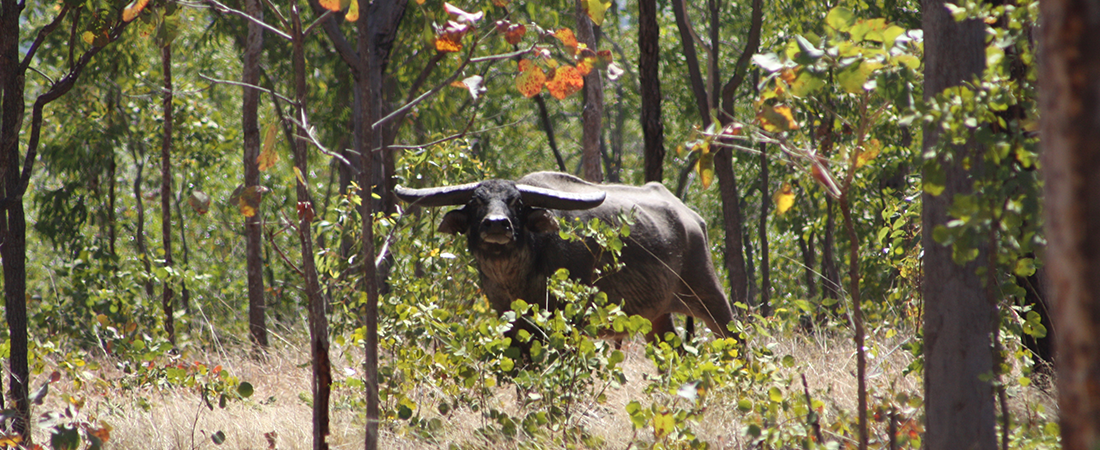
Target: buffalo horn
(554,199)
(437,196)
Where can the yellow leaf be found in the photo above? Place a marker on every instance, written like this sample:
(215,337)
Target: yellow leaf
(298,173)
(353,12)
(783,198)
(447,43)
(596,10)
(531,80)
(102,319)
(268,157)
(331,5)
(663,424)
(10,440)
(704,166)
(88,37)
(131,11)
(870,151)
(568,39)
(776,118)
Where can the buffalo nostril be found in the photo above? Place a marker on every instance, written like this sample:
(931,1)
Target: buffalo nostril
(497,224)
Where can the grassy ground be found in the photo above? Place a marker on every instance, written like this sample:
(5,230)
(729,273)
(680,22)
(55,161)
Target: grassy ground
(278,414)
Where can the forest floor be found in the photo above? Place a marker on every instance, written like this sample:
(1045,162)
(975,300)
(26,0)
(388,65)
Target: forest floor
(278,415)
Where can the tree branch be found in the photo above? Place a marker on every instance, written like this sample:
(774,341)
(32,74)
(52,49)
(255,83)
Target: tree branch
(45,31)
(692,58)
(225,9)
(752,44)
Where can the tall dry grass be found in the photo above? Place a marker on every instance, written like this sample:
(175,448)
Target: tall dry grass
(278,414)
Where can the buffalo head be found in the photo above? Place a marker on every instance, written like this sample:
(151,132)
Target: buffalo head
(496,213)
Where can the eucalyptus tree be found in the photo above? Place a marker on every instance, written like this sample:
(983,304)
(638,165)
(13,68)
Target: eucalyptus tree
(958,319)
(1070,114)
(17,55)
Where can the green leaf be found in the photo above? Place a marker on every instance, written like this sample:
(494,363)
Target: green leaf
(840,19)
(775,394)
(808,52)
(854,77)
(806,83)
(245,389)
(1025,267)
(768,61)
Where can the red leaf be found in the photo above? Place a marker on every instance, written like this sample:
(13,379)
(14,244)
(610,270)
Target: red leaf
(514,33)
(567,81)
(305,212)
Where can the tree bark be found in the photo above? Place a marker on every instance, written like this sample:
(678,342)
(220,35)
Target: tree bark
(14,182)
(257,324)
(13,226)
(653,129)
(1070,126)
(592,114)
(829,270)
(958,319)
(377,31)
(166,189)
(765,268)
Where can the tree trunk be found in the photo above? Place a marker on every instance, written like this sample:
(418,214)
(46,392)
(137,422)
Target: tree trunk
(653,129)
(13,224)
(137,150)
(318,320)
(1070,126)
(765,263)
(257,324)
(829,270)
(958,319)
(593,103)
(166,189)
(377,31)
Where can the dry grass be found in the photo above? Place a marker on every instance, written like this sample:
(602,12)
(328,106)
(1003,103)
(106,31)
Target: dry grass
(177,419)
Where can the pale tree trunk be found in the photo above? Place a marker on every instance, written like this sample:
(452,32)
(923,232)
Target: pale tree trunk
(592,114)
(257,326)
(1070,126)
(958,318)
(653,129)
(377,29)
(166,189)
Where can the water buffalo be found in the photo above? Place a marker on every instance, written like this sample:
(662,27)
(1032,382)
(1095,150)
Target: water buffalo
(512,232)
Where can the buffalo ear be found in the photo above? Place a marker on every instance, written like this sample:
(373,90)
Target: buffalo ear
(542,221)
(454,222)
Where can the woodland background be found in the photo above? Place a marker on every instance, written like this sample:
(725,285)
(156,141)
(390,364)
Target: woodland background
(182,180)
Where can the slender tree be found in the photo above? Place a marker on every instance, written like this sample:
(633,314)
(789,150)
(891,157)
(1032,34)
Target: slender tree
(166,188)
(250,99)
(15,175)
(377,31)
(592,113)
(1070,126)
(653,129)
(958,319)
